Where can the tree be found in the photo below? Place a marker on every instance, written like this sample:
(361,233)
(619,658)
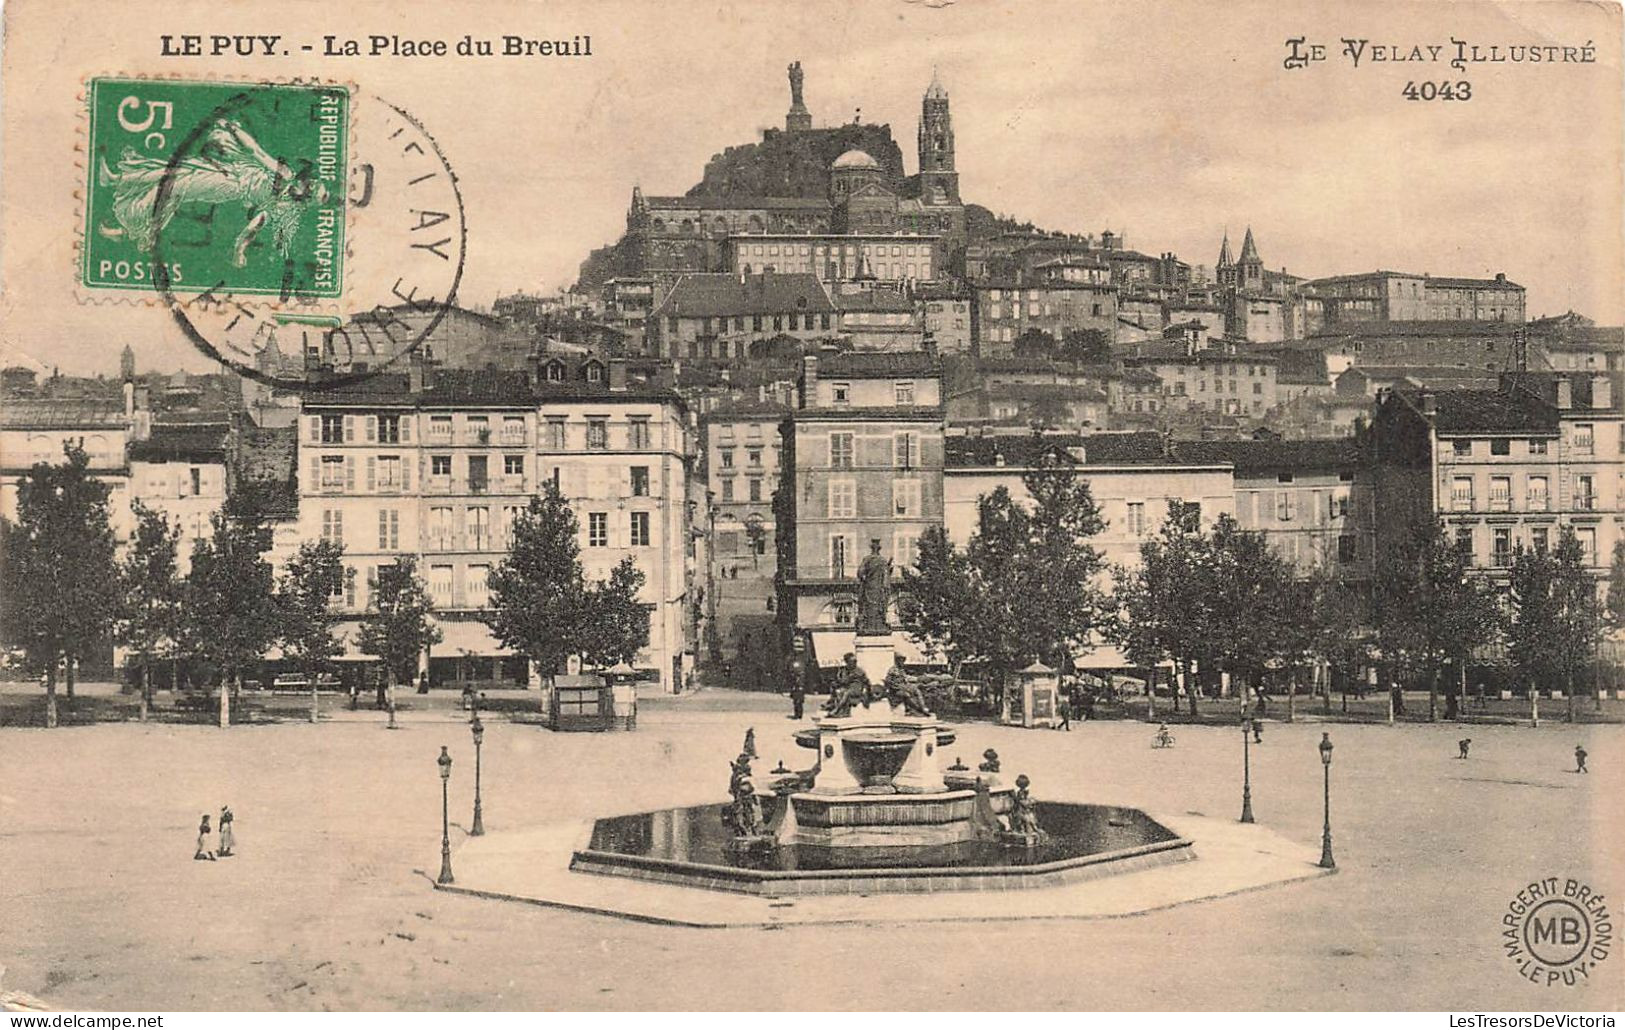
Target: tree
(1430,608)
(1341,625)
(538,593)
(614,623)
(1034,343)
(397,628)
(1255,602)
(1087,346)
(304,597)
(61,576)
(1163,610)
(1555,618)
(1616,588)
(1025,587)
(153,595)
(231,609)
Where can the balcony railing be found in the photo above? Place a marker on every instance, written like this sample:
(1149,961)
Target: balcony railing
(440,543)
(1500,503)
(1501,559)
(1461,502)
(1585,502)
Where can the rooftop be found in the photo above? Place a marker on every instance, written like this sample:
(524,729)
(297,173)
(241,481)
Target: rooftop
(1026,451)
(711,294)
(1272,455)
(878,365)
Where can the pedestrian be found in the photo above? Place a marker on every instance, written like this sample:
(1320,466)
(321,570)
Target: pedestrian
(1580,759)
(205,842)
(1088,704)
(355,692)
(1063,708)
(382,701)
(1258,730)
(798,677)
(423,682)
(1462,745)
(227,840)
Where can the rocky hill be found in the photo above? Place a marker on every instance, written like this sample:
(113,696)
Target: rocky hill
(796,164)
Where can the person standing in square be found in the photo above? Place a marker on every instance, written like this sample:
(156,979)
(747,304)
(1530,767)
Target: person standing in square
(227,841)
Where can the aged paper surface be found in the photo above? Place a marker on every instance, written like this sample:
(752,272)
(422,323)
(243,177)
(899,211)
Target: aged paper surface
(395,270)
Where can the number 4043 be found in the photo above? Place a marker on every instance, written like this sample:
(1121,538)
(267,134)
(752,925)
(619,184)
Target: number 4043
(1462,90)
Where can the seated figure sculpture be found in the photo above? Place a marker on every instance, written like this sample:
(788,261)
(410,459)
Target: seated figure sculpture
(1024,814)
(900,690)
(851,687)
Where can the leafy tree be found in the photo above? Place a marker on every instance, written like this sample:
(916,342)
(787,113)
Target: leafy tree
(1034,343)
(397,628)
(1340,624)
(61,576)
(1254,600)
(304,597)
(1616,588)
(153,594)
(614,623)
(231,610)
(1430,608)
(538,593)
(1555,617)
(1087,346)
(1024,588)
(1163,610)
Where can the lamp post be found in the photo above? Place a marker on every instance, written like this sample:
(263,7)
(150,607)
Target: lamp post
(1246,768)
(1326,859)
(444,761)
(478,827)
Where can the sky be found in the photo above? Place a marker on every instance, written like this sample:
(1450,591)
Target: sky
(1167,122)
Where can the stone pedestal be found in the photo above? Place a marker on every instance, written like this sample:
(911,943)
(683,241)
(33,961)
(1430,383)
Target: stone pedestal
(875,656)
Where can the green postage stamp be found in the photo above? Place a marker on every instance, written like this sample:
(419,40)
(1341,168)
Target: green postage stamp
(214,187)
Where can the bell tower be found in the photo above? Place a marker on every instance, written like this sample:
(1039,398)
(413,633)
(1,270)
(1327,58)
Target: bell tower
(939,183)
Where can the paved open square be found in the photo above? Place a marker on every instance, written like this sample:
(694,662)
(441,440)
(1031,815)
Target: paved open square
(329,903)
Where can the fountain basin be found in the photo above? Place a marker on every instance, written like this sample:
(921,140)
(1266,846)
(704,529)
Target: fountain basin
(690,846)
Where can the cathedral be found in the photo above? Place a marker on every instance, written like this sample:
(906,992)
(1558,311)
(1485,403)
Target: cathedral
(803,181)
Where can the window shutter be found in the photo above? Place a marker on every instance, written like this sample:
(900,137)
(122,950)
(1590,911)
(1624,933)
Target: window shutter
(372,474)
(406,471)
(315,422)
(315,483)
(349,474)
(372,428)
(383,530)
(406,428)
(338,526)
(349,429)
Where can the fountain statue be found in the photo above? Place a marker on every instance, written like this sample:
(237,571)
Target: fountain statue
(874,590)
(1024,827)
(900,690)
(852,687)
(744,816)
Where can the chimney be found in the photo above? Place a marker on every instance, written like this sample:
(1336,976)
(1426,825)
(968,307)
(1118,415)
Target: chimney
(420,372)
(1565,393)
(129,399)
(809,380)
(1602,393)
(617,374)
(1430,404)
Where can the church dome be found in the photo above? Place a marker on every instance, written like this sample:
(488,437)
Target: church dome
(855,159)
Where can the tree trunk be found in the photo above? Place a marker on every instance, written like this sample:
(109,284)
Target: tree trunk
(1190,688)
(1461,694)
(1151,694)
(315,701)
(1292,696)
(1568,694)
(146,689)
(1534,706)
(174,676)
(72,675)
(1433,694)
(50,699)
(225,703)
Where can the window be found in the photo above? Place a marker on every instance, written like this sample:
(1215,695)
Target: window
(1500,493)
(1537,446)
(513,428)
(1461,493)
(478,523)
(727,456)
(440,465)
(478,474)
(513,464)
(753,457)
(1500,445)
(640,529)
(1539,538)
(840,450)
(638,431)
(906,497)
(1346,548)
(906,450)
(389,529)
(904,392)
(1585,498)
(1258,389)
(478,585)
(1462,448)
(332,429)
(389,429)
(1501,546)
(597,529)
(1136,518)
(905,548)
(837,556)
(1340,505)
(1539,497)
(440,584)
(727,489)
(332,472)
(196,480)
(333,526)
(440,527)
(755,489)
(842,392)
(1587,535)
(597,434)
(1582,438)
(440,427)
(555,433)
(640,480)
(1286,505)
(349,588)
(1464,541)
(843,499)
(389,472)
(1283,477)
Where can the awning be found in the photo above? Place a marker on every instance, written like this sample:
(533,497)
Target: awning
(467,637)
(831,646)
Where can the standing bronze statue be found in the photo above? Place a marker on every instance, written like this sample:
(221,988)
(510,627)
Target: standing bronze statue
(795,84)
(874,589)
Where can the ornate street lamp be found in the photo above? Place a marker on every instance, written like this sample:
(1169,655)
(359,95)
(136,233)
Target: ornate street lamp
(444,762)
(1326,859)
(478,828)
(1246,768)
